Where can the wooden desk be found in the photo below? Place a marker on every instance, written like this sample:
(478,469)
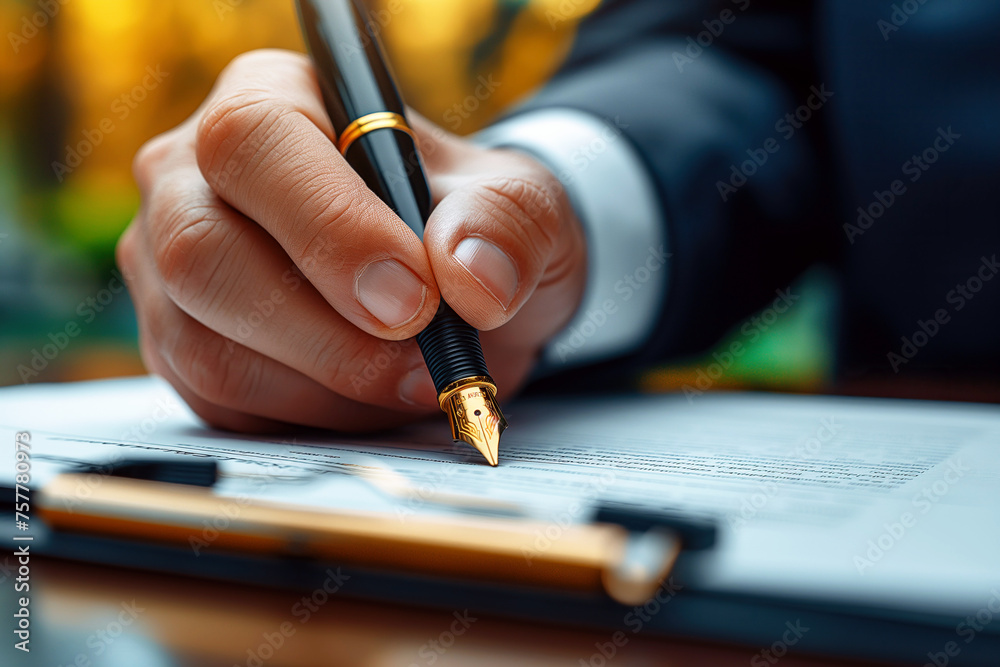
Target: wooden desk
(196,623)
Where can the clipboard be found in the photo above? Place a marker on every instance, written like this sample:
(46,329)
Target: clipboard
(757,577)
(622,553)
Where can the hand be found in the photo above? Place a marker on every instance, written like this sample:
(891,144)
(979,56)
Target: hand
(272,286)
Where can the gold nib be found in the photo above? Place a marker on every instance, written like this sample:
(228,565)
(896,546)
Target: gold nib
(474,414)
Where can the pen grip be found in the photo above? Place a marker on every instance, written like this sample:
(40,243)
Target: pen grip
(451,349)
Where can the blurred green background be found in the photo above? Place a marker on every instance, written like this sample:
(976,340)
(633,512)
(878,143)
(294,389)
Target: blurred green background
(86,82)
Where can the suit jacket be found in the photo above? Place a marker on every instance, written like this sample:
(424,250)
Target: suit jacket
(859,133)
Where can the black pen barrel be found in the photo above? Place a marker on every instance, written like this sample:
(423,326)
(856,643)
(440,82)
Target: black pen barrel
(356,84)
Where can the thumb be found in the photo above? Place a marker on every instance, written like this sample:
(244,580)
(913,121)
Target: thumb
(496,234)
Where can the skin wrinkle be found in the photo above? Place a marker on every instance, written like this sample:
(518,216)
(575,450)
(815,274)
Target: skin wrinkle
(561,265)
(220,375)
(338,207)
(213,414)
(176,345)
(334,209)
(202,349)
(529,252)
(549,217)
(331,361)
(559,269)
(302,184)
(331,234)
(219,116)
(183,347)
(332,346)
(231,244)
(156,361)
(256,167)
(320,349)
(498,208)
(175,259)
(299,71)
(515,226)
(335,348)
(226,376)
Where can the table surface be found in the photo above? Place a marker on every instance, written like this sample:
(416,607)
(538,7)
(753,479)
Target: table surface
(94,616)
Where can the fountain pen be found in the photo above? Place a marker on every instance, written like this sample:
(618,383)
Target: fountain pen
(368,117)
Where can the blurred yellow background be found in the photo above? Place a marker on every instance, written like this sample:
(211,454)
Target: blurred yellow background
(86,82)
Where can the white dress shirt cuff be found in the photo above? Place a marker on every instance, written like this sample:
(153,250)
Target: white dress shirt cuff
(617,204)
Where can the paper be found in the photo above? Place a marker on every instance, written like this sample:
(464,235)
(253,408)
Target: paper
(883,503)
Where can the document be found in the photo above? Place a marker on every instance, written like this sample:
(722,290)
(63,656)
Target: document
(883,504)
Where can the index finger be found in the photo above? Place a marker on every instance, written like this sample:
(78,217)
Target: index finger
(264,145)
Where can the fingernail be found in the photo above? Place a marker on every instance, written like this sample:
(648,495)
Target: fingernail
(490,266)
(416,388)
(390,292)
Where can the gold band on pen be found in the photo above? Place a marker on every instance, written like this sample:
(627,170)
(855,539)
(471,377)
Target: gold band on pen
(369,122)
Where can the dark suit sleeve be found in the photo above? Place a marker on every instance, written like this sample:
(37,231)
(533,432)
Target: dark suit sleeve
(693,111)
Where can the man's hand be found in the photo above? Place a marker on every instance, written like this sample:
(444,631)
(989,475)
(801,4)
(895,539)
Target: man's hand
(272,286)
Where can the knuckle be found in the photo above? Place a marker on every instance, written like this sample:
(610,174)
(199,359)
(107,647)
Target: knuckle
(526,207)
(233,130)
(527,212)
(149,157)
(189,254)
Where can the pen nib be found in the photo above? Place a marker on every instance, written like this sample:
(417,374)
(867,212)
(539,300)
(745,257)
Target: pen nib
(475,415)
